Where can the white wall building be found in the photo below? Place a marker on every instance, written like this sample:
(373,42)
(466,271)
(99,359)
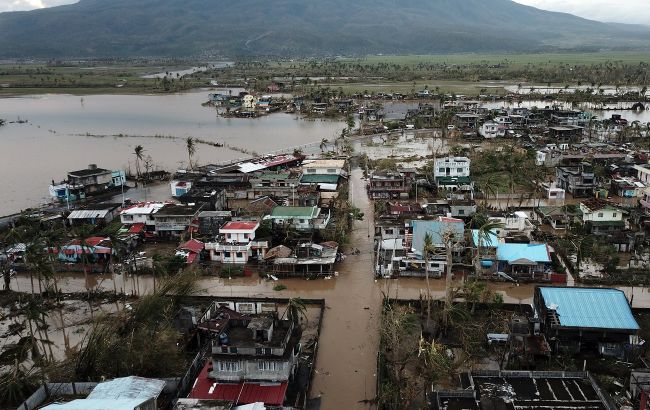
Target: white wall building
(452,167)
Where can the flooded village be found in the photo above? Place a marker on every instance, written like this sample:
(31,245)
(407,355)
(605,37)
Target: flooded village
(288,243)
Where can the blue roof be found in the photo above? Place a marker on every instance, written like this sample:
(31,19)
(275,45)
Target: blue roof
(491,241)
(521,253)
(436,229)
(590,308)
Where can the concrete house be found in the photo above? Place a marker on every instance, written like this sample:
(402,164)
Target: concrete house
(303,218)
(236,243)
(94,214)
(601,216)
(93,179)
(389,185)
(452,167)
(173,220)
(579,181)
(139,217)
(253,354)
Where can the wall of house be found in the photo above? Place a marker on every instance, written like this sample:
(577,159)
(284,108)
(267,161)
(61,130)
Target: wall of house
(252,369)
(603,215)
(239,236)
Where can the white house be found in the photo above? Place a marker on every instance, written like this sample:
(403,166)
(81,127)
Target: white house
(452,167)
(643,173)
(324,167)
(236,244)
(249,102)
(517,223)
(141,214)
(490,130)
(598,210)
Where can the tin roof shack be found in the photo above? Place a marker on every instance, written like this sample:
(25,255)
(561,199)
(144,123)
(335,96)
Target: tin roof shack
(308,259)
(212,199)
(125,393)
(510,390)
(389,185)
(254,356)
(173,220)
(93,214)
(587,320)
(579,181)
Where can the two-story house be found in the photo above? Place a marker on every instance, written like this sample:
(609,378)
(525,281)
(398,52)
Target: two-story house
(455,167)
(139,217)
(601,216)
(93,179)
(236,243)
(172,220)
(579,181)
(389,185)
(251,353)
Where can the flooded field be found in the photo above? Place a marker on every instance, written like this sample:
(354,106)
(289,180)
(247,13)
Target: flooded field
(65,133)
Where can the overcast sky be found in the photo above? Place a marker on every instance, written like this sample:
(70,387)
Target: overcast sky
(623,11)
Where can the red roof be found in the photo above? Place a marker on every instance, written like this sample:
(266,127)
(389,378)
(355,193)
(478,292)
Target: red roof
(136,228)
(193,246)
(241,393)
(240,226)
(191,258)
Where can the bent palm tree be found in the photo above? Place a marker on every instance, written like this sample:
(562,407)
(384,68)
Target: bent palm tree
(296,308)
(139,156)
(190,144)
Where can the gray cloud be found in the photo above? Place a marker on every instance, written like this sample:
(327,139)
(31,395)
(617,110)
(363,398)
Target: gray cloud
(18,5)
(620,11)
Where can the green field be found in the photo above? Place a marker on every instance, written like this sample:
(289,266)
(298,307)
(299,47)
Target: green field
(514,59)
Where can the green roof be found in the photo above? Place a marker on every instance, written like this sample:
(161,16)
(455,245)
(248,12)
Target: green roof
(319,179)
(294,212)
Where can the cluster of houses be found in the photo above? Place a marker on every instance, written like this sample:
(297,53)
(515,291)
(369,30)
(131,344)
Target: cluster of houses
(247,105)
(218,211)
(516,251)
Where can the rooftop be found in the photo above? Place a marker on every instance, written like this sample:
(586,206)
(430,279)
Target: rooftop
(523,253)
(125,393)
(598,308)
(88,172)
(295,212)
(240,226)
(319,179)
(181,210)
(143,208)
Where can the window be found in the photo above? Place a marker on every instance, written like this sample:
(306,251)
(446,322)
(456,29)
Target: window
(229,366)
(459,170)
(441,170)
(269,366)
(224,349)
(229,236)
(245,236)
(461,212)
(311,170)
(233,350)
(263,351)
(600,214)
(239,255)
(614,215)
(226,254)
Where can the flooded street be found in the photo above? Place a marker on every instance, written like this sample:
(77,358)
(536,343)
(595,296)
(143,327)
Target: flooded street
(346,363)
(66,133)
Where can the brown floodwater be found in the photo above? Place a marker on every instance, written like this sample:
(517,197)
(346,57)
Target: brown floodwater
(346,362)
(66,132)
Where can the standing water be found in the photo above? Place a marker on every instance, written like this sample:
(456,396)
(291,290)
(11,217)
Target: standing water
(66,133)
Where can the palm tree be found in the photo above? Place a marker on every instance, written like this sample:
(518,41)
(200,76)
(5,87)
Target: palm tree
(323,144)
(485,227)
(426,250)
(190,144)
(296,308)
(139,156)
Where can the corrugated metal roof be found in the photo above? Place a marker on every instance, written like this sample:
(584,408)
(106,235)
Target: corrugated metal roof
(88,214)
(517,252)
(590,307)
(437,229)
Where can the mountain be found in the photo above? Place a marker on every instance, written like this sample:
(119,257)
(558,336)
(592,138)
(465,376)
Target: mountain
(123,28)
